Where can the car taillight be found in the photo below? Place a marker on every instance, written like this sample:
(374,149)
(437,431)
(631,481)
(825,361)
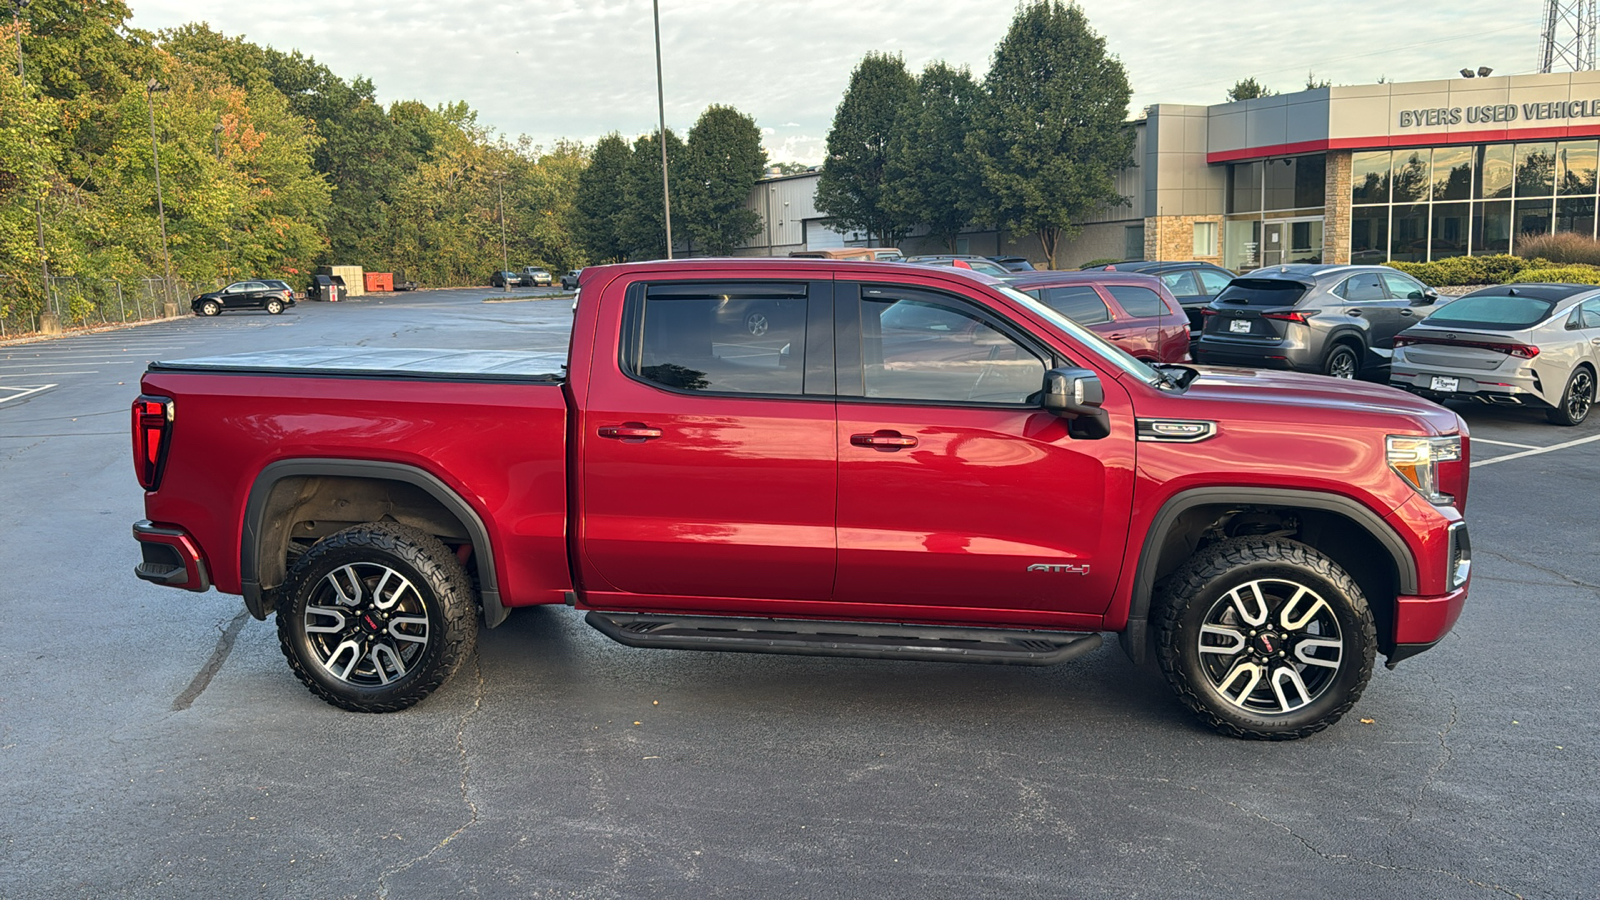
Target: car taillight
(152,432)
(1427,463)
(1291,316)
(1525,351)
(1208,311)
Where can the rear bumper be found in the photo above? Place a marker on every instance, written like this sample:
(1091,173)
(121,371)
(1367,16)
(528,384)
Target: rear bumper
(1495,388)
(1213,350)
(171,557)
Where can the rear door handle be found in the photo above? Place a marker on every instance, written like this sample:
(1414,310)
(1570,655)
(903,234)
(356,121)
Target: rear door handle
(630,431)
(883,440)
(1406,311)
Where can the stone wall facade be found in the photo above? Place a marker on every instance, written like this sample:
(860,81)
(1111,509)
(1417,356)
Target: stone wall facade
(1336,208)
(1172,237)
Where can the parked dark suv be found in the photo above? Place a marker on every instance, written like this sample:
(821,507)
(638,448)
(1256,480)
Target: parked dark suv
(1337,320)
(272,296)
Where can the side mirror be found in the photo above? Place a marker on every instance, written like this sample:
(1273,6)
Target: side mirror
(1428,296)
(1076,394)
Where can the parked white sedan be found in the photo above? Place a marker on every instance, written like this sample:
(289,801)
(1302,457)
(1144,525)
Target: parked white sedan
(1535,345)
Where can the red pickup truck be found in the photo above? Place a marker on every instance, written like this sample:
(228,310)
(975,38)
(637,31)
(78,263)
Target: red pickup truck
(905,462)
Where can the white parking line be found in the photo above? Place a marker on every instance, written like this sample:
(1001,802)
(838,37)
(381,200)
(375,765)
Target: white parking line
(1479,440)
(1537,451)
(23,392)
(89,372)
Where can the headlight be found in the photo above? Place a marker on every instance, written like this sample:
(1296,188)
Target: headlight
(1418,460)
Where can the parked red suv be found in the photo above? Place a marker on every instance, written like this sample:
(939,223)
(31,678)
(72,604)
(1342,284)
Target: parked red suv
(1136,312)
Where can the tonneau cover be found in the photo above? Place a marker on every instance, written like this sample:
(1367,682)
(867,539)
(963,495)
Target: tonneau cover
(463,365)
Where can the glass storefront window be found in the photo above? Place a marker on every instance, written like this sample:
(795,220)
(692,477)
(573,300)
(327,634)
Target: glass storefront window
(1575,167)
(1575,214)
(1493,172)
(1536,170)
(1369,234)
(1369,177)
(1310,181)
(1244,187)
(1411,176)
(1531,217)
(1305,242)
(1408,235)
(1452,173)
(1451,222)
(1242,244)
(1491,227)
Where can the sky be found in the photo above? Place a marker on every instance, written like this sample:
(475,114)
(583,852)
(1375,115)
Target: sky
(555,69)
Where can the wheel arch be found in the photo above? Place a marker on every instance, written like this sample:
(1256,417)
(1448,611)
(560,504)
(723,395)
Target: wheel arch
(341,492)
(1355,537)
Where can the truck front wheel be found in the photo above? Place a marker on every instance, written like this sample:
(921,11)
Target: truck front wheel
(1265,638)
(375,617)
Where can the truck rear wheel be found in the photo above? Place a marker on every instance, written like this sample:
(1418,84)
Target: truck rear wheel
(375,617)
(1265,638)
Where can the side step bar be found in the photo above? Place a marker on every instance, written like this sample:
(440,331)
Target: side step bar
(866,640)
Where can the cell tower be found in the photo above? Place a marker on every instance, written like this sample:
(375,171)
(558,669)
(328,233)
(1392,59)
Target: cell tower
(1567,39)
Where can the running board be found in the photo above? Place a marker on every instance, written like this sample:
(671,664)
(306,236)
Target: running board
(866,640)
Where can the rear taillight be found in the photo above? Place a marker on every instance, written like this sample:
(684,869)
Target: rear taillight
(1299,317)
(1525,351)
(152,432)
(1208,311)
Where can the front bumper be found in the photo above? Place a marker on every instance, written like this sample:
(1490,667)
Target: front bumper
(171,557)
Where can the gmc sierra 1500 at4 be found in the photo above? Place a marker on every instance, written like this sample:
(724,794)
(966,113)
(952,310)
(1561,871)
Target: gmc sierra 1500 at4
(894,461)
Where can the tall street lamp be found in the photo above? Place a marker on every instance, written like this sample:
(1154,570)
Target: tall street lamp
(661,108)
(150,90)
(505,258)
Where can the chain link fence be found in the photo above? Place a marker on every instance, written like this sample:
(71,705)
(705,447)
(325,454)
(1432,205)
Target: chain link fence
(79,302)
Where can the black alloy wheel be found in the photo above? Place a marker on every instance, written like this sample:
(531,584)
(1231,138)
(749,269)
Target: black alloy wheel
(376,617)
(1265,638)
(1576,400)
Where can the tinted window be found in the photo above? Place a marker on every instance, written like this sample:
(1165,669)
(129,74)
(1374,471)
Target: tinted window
(726,338)
(1403,287)
(1261,292)
(1213,282)
(1141,303)
(919,350)
(1363,287)
(1080,303)
(1591,314)
(1182,284)
(1493,312)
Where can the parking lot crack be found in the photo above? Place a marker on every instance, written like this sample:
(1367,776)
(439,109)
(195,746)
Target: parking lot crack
(1576,582)
(1446,755)
(465,761)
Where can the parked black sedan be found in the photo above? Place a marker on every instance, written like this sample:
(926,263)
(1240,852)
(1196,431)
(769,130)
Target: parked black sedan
(272,296)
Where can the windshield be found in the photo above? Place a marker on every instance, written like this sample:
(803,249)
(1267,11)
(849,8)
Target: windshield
(1494,312)
(1107,350)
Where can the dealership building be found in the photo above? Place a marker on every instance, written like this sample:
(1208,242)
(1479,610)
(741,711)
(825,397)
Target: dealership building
(1365,173)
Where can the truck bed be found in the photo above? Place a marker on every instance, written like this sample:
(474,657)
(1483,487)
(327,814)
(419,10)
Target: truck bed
(431,364)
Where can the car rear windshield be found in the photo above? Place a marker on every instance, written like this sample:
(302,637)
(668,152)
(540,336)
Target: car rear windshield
(1262,292)
(1495,312)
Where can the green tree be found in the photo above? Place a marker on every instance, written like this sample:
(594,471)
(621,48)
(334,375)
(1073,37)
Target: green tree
(1053,134)
(929,177)
(1313,84)
(723,161)
(641,223)
(27,157)
(791,168)
(598,202)
(851,189)
(1249,89)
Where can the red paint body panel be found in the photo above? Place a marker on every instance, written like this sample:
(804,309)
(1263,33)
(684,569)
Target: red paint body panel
(500,447)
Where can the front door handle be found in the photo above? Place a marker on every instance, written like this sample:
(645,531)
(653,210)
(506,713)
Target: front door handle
(1406,311)
(888,441)
(630,431)
(1354,312)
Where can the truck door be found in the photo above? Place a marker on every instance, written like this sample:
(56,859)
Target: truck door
(957,493)
(707,448)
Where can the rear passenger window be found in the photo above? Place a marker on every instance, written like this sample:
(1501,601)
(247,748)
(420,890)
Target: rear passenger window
(1181,284)
(720,338)
(1363,287)
(1141,303)
(1080,303)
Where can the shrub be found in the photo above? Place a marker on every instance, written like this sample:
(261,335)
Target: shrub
(1563,248)
(1462,270)
(1574,274)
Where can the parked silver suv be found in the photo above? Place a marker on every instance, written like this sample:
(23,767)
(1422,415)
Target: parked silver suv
(1336,320)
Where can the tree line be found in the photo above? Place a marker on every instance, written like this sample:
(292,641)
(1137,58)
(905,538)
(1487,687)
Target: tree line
(1031,149)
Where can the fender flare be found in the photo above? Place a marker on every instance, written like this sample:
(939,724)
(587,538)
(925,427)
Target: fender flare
(1133,637)
(494,612)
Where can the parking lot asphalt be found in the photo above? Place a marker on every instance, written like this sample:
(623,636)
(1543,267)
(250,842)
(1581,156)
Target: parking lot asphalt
(153,743)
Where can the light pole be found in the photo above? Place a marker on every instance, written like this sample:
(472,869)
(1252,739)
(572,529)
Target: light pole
(155,154)
(505,258)
(661,109)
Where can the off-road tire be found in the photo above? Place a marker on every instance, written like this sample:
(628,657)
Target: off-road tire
(210,308)
(274,307)
(1576,400)
(442,594)
(1201,588)
(1344,361)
